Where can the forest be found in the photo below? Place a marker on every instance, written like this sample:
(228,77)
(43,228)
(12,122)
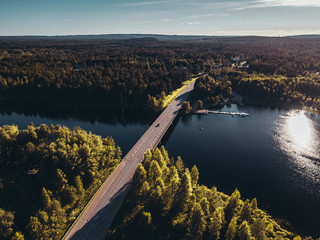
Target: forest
(167,202)
(212,90)
(56,171)
(298,90)
(138,73)
(89,76)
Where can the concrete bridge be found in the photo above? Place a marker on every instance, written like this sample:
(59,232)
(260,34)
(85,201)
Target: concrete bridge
(97,216)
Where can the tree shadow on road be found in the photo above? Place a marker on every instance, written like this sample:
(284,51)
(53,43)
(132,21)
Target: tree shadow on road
(182,98)
(97,227)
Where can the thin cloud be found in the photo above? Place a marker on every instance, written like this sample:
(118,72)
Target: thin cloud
(277,3)
(143,3)
(139,23)
(288,3)
(190,23)
(166,20)
(190,17)
(206,15)
(213,5)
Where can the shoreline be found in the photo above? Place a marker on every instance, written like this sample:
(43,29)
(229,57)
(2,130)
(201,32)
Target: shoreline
(253,102)
(261,103)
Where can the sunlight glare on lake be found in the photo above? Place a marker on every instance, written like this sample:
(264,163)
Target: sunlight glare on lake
(299,129)
(296,135)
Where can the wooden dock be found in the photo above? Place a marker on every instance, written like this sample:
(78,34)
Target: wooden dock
(202,112)
(205,112)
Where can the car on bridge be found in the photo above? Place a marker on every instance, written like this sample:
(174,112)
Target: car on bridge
(158,125)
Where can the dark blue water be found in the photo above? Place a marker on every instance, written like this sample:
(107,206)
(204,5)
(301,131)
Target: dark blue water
(272,155)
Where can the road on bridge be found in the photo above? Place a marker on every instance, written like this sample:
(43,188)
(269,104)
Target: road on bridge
(97,216)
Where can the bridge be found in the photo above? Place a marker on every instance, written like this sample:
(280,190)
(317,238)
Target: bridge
(96,218)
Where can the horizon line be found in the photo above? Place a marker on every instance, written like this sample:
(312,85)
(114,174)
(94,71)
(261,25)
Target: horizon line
(159,34)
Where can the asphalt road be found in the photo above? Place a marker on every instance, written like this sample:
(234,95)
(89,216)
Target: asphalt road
(97,217)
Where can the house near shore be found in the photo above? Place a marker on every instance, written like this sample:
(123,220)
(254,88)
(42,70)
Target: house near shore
(239,65)
(243,65)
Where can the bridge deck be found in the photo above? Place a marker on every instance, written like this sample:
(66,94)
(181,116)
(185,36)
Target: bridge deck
(97,217)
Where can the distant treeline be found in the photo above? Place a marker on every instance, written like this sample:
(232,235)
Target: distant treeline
(298,91)
(166,202)
(131,73)
(95,76)
(47,175)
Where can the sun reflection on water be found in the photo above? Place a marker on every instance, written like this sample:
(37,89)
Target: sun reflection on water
(297,136)
(299,129)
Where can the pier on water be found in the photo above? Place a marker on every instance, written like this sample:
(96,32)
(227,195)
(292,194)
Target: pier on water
(205,112)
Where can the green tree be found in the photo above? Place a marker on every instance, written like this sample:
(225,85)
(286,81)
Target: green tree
(61,179)
(46,199)
(200,104)
(232,205)
(258,229)
(140,176)
(232,229)
(35,228)
(254,204)
(197,223)
(146,218)
(244,231)
(205,206)
(186,107)
(194,176)
(179,164)
(216,223)
(185,190)
(154,172)
(18,236)
(145,189)
(80,188)
(156,195)
(245,212)
(297,238)
(6,223)
(169,194)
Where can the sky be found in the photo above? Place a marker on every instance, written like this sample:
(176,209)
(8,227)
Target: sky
(181,17)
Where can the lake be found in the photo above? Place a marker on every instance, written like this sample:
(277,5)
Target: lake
(272,155)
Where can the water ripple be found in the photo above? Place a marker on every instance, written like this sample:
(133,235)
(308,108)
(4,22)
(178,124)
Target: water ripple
(297,136)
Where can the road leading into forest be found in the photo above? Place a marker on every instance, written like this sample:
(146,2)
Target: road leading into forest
(97,216)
